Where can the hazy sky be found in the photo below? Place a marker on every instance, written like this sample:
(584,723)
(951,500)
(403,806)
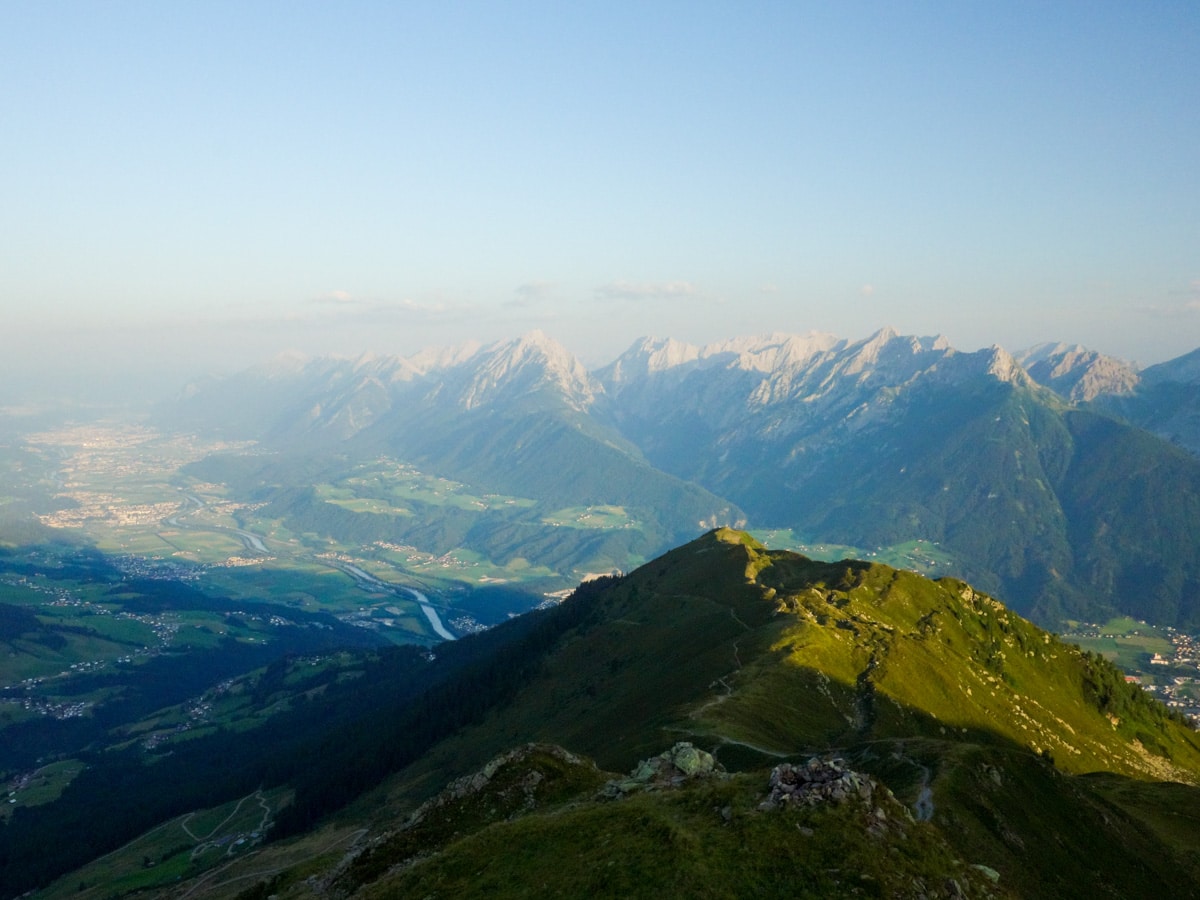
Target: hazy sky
(211,183)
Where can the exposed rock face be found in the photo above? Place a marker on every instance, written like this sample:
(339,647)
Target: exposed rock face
(681,763)
(508,786)
(817,781)
(1077,373)
(474,784)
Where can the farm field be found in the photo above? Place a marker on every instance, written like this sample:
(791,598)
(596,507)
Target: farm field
(1130,644)
(591,517)
(181,847)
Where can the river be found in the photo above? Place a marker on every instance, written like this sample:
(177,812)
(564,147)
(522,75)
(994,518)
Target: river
(254,542)
(435,621)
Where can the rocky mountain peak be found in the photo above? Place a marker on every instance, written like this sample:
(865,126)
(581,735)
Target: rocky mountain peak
(285,364)
(649,355)
(1003,366)
(888,355)
(435,359)
(772,352)
(524,366)
(1077,373)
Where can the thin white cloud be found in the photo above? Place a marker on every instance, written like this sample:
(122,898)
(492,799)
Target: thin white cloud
(435,309)
(347,307)
(336,298)
(531,293)
(1189,306)
(642,291)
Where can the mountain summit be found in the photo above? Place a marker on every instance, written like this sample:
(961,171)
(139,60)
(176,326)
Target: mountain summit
(761,724)
(513,370)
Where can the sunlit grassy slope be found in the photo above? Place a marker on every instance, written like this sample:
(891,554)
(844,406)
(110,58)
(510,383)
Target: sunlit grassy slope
(755,650)
(762,656)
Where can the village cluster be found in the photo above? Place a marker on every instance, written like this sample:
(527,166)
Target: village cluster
(1173,677)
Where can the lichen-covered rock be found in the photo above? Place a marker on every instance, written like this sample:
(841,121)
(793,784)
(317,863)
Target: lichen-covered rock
(690,760)
(817,781)
(672,768)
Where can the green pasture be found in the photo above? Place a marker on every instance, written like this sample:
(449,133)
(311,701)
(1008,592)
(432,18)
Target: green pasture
(207,546)
(1130,652)
(373,506)
(385,478)
(406,627)
(180,848)
(164,719)
(118,629)
(302,669)
(233,710)
(45,787)
(465,566)
(1123,641)
(591,517)
(304,584)
(204,635)
(21,658)
(921,556)
(787,539)
(20,595)
(12,713)
(211,517)
(1124,626)
(146,542)
(347,498)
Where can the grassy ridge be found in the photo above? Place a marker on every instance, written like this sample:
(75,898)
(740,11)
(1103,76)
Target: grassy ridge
(782,656)
(757,656)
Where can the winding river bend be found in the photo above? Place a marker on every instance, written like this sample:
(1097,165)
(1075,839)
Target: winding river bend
(435,621)
(255,543)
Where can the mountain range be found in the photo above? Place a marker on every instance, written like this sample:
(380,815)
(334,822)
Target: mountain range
(725,719)
(1063,481)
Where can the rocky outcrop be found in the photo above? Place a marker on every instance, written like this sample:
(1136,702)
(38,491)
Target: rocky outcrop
(816,782)
(476,783)
(680,764)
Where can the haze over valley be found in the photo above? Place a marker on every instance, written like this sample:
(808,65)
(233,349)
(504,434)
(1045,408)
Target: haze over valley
(609,450)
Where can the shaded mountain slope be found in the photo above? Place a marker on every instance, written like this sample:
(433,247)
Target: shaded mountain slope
(975,727)
(897,438)
(1166,401)
(1163,398)
(1134,536)
(725,642)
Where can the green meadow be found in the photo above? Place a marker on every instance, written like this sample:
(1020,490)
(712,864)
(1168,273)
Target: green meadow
(591,517)
(1124,641)
(45,786)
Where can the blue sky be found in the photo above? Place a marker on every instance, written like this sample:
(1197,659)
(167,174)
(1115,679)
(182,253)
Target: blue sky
(210,183)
